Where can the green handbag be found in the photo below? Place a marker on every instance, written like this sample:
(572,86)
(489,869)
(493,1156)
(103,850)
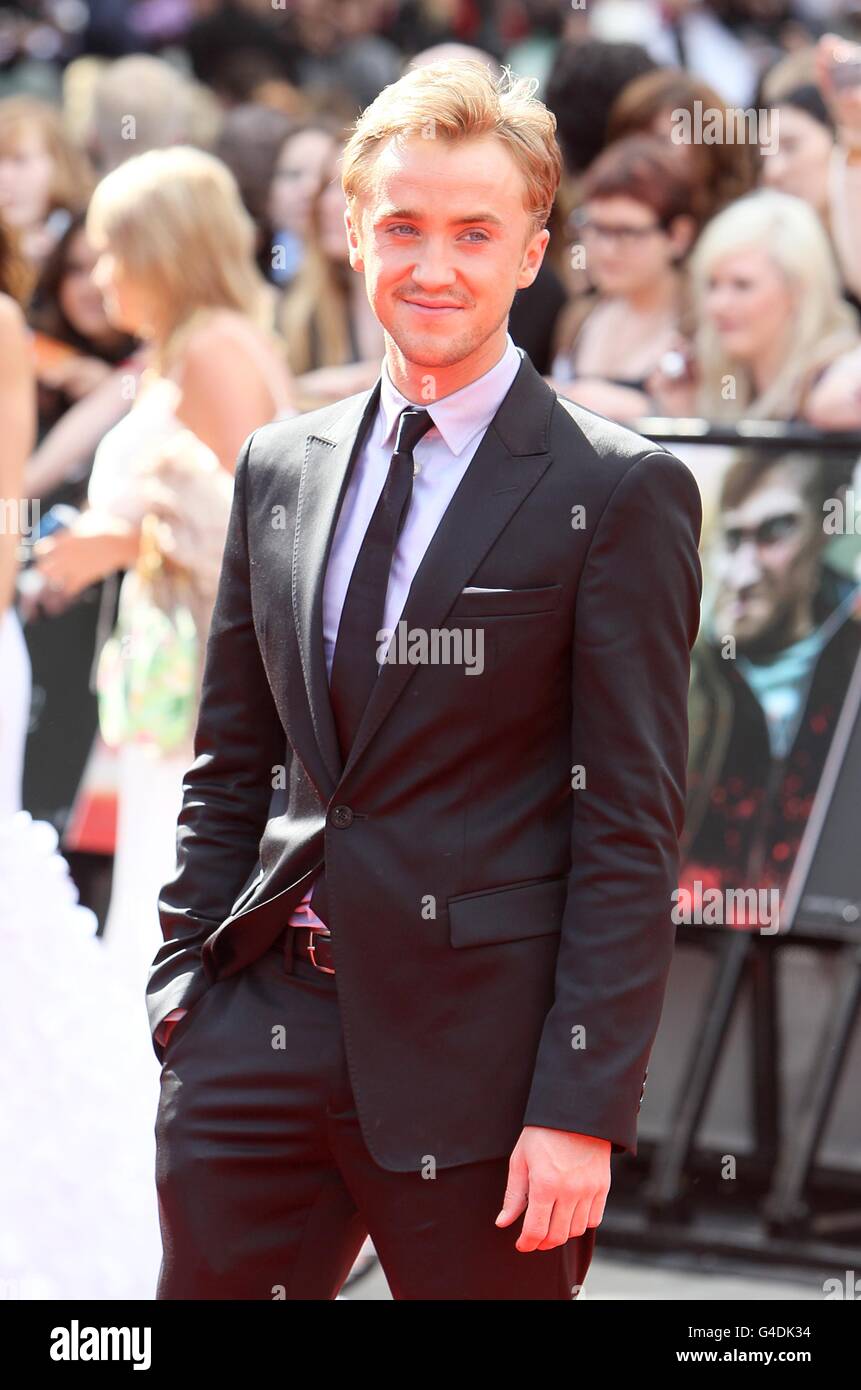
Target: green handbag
(146,676)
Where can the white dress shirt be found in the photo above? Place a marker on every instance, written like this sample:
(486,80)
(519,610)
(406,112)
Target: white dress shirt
(442,457)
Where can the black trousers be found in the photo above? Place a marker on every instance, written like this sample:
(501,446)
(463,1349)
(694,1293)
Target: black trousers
(266,1188)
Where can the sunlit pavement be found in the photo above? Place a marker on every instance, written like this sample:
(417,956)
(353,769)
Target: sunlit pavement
(614,1279)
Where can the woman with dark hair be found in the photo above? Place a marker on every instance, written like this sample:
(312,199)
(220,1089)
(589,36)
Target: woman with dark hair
(584,84)
(800,163)
(631,233)
(76,346)
(720,171)
(86,373)
(300,167)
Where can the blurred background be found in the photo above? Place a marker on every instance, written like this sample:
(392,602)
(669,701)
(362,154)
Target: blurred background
(174,274)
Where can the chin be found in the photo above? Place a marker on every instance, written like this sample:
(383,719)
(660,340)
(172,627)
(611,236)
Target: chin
(753,632)
(737,345)
(120,323)
(435,349)
(613,284)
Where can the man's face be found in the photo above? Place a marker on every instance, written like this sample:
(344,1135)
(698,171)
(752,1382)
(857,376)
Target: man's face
(444,242)
(767,563)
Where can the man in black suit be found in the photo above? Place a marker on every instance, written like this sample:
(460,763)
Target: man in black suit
(420,929)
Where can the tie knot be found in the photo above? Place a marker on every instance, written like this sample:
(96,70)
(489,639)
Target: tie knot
(413,423)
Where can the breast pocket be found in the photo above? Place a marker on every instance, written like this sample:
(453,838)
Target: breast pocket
(506,603)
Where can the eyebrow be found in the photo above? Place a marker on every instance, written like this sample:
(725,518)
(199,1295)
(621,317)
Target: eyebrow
(409,215)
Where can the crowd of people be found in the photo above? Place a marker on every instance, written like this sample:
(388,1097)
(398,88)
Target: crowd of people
(174,273)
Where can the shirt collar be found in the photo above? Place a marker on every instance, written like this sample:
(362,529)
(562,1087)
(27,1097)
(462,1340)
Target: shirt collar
(460,415)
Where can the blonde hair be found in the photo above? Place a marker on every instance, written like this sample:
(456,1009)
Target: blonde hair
(455,100)
(175,220)
(823,325)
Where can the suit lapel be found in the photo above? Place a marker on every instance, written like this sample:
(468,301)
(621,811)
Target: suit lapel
(508,463)
(325,474)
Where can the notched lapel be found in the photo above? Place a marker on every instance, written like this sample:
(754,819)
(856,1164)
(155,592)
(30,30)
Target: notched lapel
(325,474)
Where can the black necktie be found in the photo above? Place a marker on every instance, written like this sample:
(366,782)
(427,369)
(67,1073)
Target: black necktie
(354,665)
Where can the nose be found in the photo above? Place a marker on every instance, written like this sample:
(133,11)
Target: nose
(100,275)
(746,568)
(433,270)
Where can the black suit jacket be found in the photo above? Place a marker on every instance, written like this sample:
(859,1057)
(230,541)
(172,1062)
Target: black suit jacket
(502,940)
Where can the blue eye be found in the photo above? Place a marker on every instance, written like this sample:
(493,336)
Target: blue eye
(405,227)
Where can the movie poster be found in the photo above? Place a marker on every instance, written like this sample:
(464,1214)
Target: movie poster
(778,642)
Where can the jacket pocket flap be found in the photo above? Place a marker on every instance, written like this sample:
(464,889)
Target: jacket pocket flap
(509,913)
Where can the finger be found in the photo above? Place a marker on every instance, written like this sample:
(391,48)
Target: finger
(52,572)
(596,1212)
(516,1192)
(564,1212)
(582,1219)
(46,565)
(536,1222)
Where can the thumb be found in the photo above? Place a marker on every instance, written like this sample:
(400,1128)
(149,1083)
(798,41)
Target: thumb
(516,1197)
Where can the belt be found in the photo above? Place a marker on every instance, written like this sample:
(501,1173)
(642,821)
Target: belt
(316,944)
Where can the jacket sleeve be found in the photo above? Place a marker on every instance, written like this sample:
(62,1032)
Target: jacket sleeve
(226,792)
(637,615)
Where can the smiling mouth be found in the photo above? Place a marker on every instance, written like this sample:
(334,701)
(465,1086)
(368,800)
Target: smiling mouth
(432,308)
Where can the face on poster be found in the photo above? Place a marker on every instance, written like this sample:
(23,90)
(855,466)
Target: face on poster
(779,639)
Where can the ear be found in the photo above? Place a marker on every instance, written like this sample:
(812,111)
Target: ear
(356,260)
(533,255)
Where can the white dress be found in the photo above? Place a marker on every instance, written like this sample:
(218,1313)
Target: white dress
(78,1090)
(79,1080)
(149,784)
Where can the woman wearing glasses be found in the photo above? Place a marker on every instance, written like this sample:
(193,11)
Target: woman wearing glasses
(630,234)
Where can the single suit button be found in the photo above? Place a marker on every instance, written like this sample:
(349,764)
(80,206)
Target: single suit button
(341,816)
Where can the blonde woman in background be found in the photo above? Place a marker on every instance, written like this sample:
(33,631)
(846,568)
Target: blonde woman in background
(773,332)
(176,268)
